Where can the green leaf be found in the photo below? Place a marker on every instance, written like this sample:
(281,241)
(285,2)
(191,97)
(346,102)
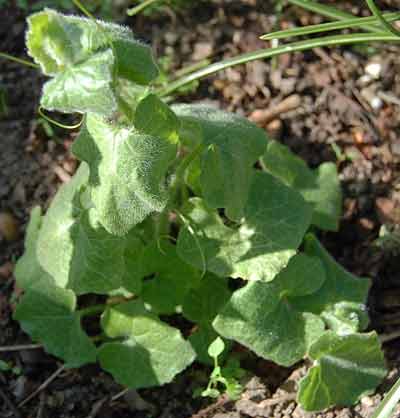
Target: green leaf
(275,221)
(132,279)
(171,279)
(319,187)
(203,302)
(127,172)
(74,248)
(233,145)
(84,87)
(345,369)
(153,117)
(28,272)
(150,353)
(262,316)
(200,340)
(341,299)
(57,42)
(47,314)
(216,348)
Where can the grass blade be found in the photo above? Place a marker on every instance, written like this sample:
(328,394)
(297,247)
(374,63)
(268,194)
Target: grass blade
(378,14)
(331,26)
(386,407)
(271,52)
(330,12)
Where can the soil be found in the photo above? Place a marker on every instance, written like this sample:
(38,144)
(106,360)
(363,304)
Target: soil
(330,109)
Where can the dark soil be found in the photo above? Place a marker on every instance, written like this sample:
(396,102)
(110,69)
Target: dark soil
(329,111)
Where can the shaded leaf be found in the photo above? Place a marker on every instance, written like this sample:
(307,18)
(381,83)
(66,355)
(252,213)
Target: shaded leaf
(202,303)
(233,145)
(47,314)
(262,316)
(154,117)
(170,279)
(319,187)
(127,172)
(275,220)
(150,353)
(345,369)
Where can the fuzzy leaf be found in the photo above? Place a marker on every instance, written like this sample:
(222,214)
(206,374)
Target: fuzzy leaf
(28,272)
(74,248)
(57,42)
(132,279)
(154,117)
(84,87)
(319,187)
(341,299)
(262,317)
(150,353)
(47,314)
(346,368)
(275,221)
(233,145)
(171,279)
(127,172)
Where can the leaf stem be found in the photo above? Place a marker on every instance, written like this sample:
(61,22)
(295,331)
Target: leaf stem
(83,9)
(19,60)
(378,14)
(143,5)
(271,52)
(59,124)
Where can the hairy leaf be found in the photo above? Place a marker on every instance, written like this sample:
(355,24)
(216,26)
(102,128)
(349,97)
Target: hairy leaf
(345,369)
(233,145)
(262,316)
(84,87)
(320,187)
(341,299)
(28,272)
(74,248)
(169,279)
(150,353)
(275,220)
(47,314)
(57,42)
(127,172)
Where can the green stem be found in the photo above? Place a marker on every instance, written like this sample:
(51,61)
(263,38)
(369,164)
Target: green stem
(83,9)
(59,124)
(92,310)
(331,26)
(329,12)
(271,52)
(18,60)
(137,9)
(378,14)
(185,163)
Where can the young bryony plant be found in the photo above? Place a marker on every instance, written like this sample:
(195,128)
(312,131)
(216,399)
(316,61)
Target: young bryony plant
(169,207)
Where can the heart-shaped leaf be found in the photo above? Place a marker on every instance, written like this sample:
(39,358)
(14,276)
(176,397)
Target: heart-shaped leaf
(149,353)
(345,369)
(262,316)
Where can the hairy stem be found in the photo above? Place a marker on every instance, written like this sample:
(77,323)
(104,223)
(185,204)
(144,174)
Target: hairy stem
(137,9)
